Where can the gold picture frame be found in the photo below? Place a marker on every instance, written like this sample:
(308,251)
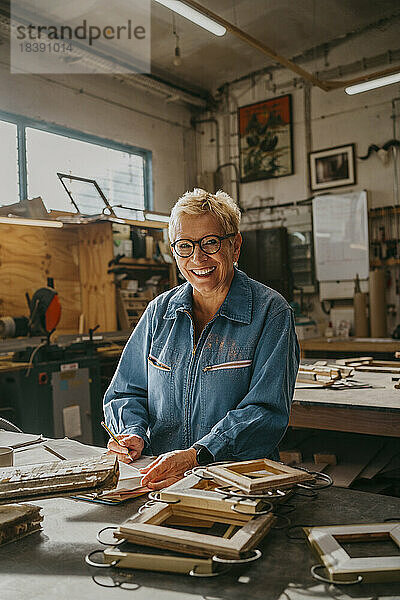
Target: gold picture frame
(157,526)
(340,567)
(254,476)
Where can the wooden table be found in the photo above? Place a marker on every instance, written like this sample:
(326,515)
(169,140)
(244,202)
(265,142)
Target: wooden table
(342,348)
(373,411)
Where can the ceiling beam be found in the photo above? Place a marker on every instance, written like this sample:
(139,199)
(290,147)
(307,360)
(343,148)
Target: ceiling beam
(334,85)
(245,37)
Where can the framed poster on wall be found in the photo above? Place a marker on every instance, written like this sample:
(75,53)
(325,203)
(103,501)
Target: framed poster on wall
(332,167)
(266,139)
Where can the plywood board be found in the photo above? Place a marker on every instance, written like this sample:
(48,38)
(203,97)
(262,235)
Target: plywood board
(97,285)
(28,256)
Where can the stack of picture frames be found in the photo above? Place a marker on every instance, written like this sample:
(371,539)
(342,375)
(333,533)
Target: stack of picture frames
(209,521)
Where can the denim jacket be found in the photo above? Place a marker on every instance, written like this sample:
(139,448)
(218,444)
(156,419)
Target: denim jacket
(231,392)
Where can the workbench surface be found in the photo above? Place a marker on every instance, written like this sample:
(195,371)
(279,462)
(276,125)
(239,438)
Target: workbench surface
(374,411)
(50,564)
(383,396)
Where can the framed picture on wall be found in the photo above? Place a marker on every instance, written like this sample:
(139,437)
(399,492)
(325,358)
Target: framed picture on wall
(266,139)
(332,167)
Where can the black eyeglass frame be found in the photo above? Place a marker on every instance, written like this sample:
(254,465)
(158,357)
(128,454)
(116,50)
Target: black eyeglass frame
(194,242)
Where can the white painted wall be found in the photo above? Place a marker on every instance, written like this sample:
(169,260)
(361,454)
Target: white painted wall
(336,119)
(103,106)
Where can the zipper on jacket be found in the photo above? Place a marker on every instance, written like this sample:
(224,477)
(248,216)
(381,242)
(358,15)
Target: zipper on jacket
(192,363)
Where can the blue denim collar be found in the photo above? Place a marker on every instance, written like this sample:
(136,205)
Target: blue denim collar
(237,305)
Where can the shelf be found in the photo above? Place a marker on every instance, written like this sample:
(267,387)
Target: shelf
(134,264)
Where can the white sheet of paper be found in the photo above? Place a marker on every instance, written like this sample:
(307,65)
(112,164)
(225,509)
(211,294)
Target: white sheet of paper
(15,440)
(72,421)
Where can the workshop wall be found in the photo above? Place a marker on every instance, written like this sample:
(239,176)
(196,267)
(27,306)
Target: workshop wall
(333,119)
(320,120)
(106,107)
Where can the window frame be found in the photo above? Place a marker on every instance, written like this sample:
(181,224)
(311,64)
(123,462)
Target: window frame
(23,122)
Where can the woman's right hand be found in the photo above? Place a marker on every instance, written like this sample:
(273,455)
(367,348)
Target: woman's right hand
(130,449)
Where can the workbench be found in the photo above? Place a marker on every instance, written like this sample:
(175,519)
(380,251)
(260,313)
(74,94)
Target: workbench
(50,564)
(349,347)
(374,411)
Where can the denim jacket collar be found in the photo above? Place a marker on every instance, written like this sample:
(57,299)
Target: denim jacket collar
(237,305)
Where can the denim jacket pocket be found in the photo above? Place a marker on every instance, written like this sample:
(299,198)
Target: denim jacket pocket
(157,363)
(235,364)
(223,386)
(163,416)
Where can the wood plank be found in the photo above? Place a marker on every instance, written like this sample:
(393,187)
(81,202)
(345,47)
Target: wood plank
(97,286)
(325,457)
(317,416)
(290,456)
(380,460)
(353,458)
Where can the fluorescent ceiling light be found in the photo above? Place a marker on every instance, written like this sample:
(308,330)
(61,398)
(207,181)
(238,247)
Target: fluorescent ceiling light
(373,84)
(34,222)
(194,15)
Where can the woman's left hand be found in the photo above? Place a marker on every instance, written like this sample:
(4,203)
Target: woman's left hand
(168,468)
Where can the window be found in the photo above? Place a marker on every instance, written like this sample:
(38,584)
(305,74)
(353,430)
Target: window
(119,174)
(8,163)
(122,172)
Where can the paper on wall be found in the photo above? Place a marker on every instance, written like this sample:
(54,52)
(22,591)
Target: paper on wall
(72,421)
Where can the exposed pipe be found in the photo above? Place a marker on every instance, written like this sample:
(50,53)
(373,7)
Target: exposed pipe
(232,164)
(308,130)
(319,51)
(395,154)
(211,120)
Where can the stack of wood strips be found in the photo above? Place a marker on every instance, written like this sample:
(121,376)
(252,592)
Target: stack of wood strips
(323,373)
(207,517)
(64,478)
(369,364)
(18,520)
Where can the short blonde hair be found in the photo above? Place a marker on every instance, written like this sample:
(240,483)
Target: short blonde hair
(199,202)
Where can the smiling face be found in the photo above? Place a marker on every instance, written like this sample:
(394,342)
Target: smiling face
(209,274)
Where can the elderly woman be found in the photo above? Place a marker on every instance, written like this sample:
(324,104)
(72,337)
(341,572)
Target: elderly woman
(208,373)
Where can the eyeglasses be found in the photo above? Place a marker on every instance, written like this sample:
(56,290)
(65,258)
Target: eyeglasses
(209,244)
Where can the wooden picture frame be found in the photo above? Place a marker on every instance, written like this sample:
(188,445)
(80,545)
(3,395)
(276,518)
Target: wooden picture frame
(266,139)
(325,541)
(254,476)
(332,167)
(152,528)
(151,559)
(199,493)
